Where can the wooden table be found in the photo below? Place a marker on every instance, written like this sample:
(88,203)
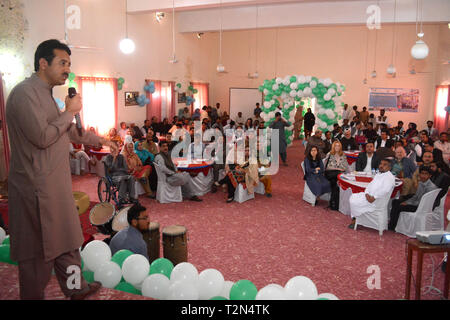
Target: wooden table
(422,248)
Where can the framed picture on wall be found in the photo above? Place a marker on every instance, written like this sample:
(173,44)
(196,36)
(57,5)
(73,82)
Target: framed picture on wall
(181,97)
(131,98)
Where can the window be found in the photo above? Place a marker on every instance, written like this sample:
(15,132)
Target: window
(99,103)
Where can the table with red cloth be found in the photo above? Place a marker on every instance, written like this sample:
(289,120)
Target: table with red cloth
(200,171)
(352,156)
(99,168)
(350,183)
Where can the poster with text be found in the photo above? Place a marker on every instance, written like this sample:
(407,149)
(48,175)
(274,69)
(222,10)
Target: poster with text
(394,99)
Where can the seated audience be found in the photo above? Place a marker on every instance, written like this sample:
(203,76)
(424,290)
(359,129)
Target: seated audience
(440,180)
(130,238)
(411,131)
(357,129)
(174,177)
(409,190)
(239,119)
(382,118)
(116,167)
(370,132)
(368,160)
(443,145)
(155,125)
(316,141)
(135,167)
(114,137)
(348,142)
(80,155)
(432,132)
(336,163)
(410,205)
(380,187)
(145,127)
(123,130)
(403,168)
(315,173)
(136,133)
(328,142)
(165,126)
(400,128)
(147,158)
(383,141)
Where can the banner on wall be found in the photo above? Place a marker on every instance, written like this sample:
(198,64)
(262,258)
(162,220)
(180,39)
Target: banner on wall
(394,99)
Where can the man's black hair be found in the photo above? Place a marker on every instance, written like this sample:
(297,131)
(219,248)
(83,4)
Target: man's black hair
(134,212)
(162,142)
(46,50)
(277,114)
(426,169)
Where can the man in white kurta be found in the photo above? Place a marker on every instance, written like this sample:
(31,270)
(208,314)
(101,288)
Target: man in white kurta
(380,187)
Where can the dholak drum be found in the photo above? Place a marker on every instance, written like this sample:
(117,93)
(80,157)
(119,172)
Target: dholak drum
(175,244)
(152,238)
(120,220)
(101,216)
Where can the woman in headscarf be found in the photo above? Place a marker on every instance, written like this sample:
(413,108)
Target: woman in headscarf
(114,136)
(139,171)
(147,158)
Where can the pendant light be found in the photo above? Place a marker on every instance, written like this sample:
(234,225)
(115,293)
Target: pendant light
(391,69)
(174,59)
(220,66)
(420,50)
(126,45)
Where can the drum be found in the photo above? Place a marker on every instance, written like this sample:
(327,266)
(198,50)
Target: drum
(175,244)
(101,216)
(152,238)
(120,220)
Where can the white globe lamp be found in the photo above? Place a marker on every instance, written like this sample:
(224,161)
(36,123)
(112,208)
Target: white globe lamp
(127,46)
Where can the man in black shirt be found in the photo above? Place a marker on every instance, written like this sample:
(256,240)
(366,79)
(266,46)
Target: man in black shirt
(348,142)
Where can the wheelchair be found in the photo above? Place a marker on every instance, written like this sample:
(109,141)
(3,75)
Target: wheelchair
(107,190)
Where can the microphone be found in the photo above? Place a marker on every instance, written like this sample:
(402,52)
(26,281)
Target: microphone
(72,93)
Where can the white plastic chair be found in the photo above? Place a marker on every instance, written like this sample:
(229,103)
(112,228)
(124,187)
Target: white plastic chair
(308,196)
(138,189)
(75,166)
(201,184)
(260,188)
(411,222)
(165,193)
(377,219)
(241,194)
(437,218)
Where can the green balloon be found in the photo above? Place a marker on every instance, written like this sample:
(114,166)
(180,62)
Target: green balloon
(218,298)
(162,266)
(119,86)
(71,76)
(127,287)
(120,256)
(293,79)
(88,276)
(322,299)
(261,88)
(121,80)
(6,240)
(179,85)
(243,290)
(195,91)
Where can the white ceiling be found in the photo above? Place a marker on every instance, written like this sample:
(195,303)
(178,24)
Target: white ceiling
(204,15)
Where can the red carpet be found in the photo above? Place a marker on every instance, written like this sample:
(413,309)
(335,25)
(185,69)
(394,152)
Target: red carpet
(270,240)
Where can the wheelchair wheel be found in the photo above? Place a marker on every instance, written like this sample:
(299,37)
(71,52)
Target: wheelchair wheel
(104,190)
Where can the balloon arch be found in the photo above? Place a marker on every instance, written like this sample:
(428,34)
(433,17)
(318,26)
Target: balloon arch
(288,92)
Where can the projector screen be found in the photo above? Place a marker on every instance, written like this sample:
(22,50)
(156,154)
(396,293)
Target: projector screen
(244,100)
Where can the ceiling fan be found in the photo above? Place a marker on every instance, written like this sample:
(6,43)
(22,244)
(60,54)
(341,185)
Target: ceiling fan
(66,35)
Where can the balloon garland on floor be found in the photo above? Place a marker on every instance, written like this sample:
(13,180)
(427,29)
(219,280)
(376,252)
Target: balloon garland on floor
(132,273)
(291,89)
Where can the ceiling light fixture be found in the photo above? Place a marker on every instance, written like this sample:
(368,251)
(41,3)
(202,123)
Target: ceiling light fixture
(127,45)
(220,66)
(174,59)
(159,16)
(420,50)
(391,69)
(199,35)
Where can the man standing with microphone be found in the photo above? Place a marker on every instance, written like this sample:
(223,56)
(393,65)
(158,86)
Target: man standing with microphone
(45,230)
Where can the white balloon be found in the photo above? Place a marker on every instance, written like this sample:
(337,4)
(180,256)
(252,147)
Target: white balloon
(156,286)
(307,91)
(293,93)
(2,235)
(308,79)
(278,80)
(284,95)
(301,79)
(270,293)
(330,128)
(95,253)
(135,269)
(275,87)
(109,274)
(286,82)
(327,82)
(210,284)
(184,271)
(300,288)
(327,97)
(226,288)
(313,84)
(331,91)
(328,296)
(299,93)
(293,85)
(182,290)
(265,91)
(267,104)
